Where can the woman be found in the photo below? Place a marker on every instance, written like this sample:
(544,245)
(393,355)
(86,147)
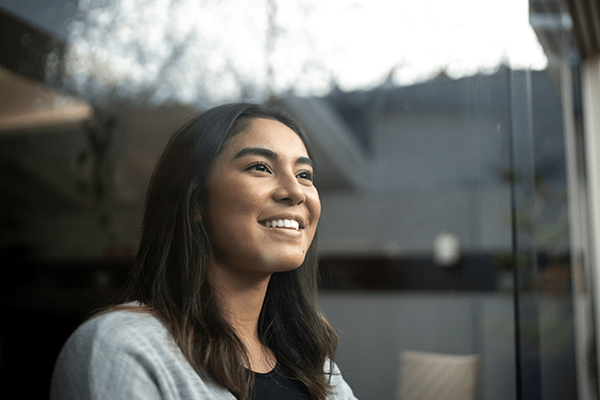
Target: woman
(222,302)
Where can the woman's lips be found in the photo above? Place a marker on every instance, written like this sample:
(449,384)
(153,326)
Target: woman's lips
(282,223)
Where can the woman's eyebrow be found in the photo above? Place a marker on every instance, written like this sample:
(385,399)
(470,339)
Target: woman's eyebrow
(261,151)
(305,160)
(256,151)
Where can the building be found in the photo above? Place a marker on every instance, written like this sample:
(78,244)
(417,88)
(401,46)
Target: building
(459,216)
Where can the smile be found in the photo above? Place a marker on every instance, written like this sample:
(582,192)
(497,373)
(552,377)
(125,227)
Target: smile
(282,223)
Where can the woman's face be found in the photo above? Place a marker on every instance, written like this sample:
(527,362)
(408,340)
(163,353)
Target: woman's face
(262,179)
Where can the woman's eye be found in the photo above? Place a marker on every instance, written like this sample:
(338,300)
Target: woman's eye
(308,175)
(258,167)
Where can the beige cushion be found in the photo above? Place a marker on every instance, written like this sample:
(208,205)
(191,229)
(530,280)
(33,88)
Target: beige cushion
(433,376)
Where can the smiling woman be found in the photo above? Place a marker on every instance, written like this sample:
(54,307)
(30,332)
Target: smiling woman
(264,174)
(222,301)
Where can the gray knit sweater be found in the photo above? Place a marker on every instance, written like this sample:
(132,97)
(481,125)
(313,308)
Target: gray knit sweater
(126,355)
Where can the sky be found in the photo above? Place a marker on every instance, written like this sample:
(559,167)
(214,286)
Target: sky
(211,51)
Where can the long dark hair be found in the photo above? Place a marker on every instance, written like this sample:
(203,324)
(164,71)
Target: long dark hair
(170,273)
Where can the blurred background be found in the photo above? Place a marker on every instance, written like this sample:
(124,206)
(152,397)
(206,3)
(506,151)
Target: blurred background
(456,149)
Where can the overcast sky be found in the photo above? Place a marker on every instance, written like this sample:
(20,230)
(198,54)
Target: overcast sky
(217,50)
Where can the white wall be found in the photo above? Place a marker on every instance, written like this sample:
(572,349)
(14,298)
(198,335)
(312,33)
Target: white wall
(375,327)
(430,173)
(478,217)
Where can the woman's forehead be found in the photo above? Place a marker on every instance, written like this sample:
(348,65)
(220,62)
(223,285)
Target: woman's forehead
(268,134)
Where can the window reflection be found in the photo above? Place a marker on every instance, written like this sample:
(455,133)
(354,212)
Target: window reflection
(439,136)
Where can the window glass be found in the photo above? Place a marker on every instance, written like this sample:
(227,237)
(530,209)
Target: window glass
(441,147)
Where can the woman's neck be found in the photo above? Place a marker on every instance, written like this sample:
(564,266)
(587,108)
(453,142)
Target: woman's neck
(241,299)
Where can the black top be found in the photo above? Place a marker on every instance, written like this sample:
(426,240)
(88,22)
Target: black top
(274,386)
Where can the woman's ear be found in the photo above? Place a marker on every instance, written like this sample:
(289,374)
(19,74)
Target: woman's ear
(198,216)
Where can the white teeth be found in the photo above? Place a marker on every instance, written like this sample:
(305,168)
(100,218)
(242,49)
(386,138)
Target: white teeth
(283,223)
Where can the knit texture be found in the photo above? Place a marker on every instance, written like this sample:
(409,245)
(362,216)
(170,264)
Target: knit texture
(128,355)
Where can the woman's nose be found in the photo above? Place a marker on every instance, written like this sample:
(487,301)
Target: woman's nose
(289,190)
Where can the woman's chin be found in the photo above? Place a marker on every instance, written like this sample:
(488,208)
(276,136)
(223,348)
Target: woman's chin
(281,263)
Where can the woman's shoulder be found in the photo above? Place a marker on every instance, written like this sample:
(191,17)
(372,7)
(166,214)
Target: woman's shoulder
(119,329)
(126,353)
(118,353)
(122,321)
(340,389)
(115,336)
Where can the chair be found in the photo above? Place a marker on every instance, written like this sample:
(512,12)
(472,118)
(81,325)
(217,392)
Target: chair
(433,376)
